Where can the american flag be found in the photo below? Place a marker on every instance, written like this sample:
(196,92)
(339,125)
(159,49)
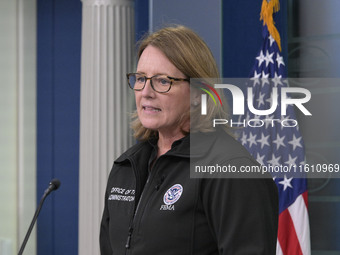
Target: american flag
(274,144)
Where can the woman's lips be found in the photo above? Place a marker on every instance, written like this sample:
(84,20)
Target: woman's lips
(149,108)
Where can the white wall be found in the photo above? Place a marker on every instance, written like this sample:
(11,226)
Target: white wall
(8,174)
(17,122)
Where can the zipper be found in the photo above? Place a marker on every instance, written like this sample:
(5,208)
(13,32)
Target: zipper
(128,241)
(129,237)
(131,229)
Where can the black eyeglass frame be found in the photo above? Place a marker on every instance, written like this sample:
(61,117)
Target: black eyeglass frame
(172,79)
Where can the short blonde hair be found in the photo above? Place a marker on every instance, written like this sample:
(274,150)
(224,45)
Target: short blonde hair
(189,54)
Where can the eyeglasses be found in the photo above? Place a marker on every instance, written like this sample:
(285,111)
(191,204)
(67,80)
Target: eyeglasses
(159,83)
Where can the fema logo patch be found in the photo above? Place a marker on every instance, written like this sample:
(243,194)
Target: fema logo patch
(173,194)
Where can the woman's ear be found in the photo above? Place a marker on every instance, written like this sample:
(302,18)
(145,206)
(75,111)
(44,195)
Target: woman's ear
(195,97)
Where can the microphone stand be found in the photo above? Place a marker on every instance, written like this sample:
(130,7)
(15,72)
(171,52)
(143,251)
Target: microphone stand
(54,184)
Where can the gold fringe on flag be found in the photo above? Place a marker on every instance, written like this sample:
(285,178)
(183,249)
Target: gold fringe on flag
(267,10)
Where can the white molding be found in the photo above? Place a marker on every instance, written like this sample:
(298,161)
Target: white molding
(26,120)
(107,55)
(128,3)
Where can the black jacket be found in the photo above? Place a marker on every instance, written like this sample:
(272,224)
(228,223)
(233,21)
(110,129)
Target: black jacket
(164,211)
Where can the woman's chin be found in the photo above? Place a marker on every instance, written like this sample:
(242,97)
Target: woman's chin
(150,125)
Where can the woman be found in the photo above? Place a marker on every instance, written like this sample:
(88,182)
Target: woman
(152,206)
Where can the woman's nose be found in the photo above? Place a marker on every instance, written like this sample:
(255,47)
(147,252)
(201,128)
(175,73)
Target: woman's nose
(148,90)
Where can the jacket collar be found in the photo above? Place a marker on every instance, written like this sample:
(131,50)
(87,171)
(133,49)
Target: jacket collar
(201,144)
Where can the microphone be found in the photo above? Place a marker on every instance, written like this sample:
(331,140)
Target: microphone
(53,185)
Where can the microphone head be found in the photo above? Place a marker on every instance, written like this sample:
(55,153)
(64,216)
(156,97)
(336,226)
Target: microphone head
(55,183)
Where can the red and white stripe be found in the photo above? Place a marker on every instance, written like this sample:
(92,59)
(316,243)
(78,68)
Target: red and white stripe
(294,234)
